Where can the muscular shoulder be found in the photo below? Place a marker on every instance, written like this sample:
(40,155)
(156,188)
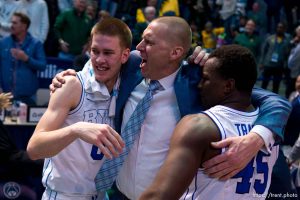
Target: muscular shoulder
(196,126)
(69,94)
(196,132)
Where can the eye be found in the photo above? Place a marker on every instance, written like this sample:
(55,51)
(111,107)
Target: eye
(148,42)
(94,51)
(108,52)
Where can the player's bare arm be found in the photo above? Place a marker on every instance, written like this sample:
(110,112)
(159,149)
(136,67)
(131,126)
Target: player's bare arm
(50,138)
(189,148)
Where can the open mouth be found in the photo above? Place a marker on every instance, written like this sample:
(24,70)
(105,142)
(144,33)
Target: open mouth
(144,61)
(102,68)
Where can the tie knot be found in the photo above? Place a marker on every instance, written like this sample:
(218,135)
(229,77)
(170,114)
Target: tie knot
(154,85)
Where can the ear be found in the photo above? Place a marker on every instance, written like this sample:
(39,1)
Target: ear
(176,53)
(229,86)
(125,55)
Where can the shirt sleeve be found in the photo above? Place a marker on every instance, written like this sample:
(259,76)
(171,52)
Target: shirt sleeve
(266,135)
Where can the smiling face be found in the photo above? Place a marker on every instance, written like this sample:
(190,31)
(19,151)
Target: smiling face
(107,56)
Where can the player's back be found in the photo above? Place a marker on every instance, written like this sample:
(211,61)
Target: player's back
(253,181)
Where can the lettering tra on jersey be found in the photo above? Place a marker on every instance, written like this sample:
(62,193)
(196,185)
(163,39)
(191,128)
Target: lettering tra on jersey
(243,129)
(99,116)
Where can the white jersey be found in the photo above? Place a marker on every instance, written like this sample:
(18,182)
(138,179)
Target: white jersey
(253,181)
(70,174)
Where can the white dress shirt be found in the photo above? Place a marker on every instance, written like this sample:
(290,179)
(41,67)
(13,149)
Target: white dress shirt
(151,147)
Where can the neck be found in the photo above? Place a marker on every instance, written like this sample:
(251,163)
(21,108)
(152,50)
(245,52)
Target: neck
(110,84)
(238,102)
(20,37)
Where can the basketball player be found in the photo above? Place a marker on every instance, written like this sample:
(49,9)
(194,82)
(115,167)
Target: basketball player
(78,120)
(230,72)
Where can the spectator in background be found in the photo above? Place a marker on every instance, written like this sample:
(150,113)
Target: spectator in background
(292,129)
(37,11)
(196,36)
(294,62)
(294,157)
(72,28)
(7,8)
(110,6)
(51,43)
(210,36)
(228,15)
(91,11)
(22,56)
(102,14)
(273,57)
(64,5)
(258,15)
(163,7)
(150,14)
(295,93)
(273,14)
(249,38)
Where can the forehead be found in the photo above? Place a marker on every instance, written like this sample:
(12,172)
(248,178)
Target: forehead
(210,66)
(15,18)
(155,30)
(106,41)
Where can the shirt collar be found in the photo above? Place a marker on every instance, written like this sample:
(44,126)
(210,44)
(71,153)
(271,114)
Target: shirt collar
(168,81)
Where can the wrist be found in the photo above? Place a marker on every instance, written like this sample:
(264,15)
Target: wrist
(256,139)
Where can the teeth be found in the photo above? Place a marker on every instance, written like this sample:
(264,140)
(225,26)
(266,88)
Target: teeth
(101,68)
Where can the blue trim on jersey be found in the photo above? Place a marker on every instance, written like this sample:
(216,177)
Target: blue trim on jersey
(187,192)
(50,194)
(218,126)
(81,96)
(46,166)
(220,132)
(195,186)
(55,195)
(46,182)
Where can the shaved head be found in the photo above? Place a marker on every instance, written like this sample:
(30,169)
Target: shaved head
(179,31)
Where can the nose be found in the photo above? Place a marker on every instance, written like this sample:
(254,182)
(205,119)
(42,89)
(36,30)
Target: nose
(140,46)
(100,58)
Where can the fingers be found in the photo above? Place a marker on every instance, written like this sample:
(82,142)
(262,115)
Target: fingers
(110,142)
(222,144)
(116,142)
(221,170)
(69,72)
(204,59)
(199,57)
(105,151)
(219,167)
(211,163)
(197,50)
(59,79)
(229,175)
